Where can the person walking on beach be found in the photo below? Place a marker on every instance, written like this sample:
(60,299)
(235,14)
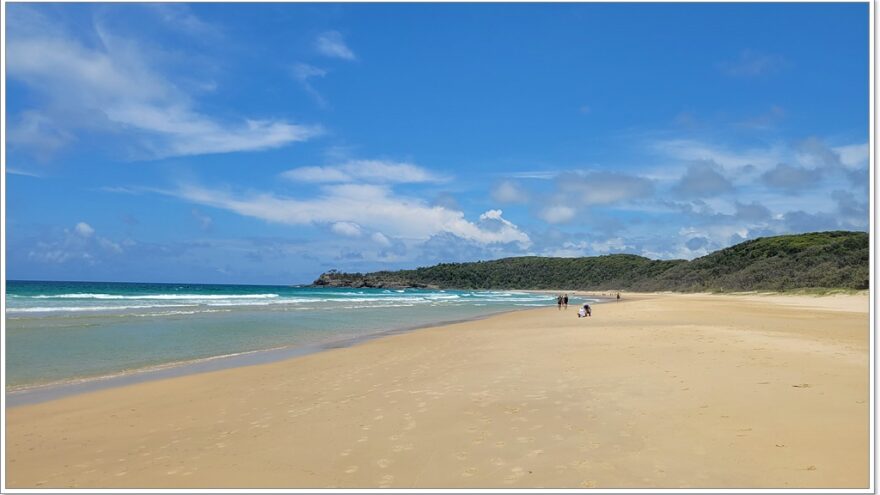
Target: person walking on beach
(565,301)
(618,296)
(559,302)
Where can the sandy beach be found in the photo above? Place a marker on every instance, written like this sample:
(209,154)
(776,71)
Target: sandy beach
(655,391)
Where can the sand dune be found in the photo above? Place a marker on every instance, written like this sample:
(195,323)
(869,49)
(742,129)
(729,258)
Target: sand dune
(654,391)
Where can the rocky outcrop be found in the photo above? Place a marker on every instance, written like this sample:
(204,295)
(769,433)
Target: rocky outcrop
(357,281)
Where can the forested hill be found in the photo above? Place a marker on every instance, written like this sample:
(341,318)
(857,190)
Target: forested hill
(816,260)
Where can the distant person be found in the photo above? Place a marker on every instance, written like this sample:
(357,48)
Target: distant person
(559,302)
(618,296)
(565,301)
(582,312)
(588,310)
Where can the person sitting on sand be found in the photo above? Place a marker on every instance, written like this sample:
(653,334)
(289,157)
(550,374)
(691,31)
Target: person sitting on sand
(582,312)
(588,310)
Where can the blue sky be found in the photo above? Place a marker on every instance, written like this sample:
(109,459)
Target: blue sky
(267,143)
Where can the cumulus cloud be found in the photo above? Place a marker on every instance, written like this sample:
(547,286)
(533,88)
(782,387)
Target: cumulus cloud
(331,44)
(374,207)
(753,212)
(702,179)
(348,229)
(79,244)
(696,243)
(602,188)
(802,221)
(853,155)
(791,178)
(380,239)
(813,151)
(116,86)
(850,208)
(557,213)
(84,230)
(372,171)
(508,191)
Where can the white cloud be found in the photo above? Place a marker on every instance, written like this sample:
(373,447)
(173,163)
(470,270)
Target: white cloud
(373,171)
(557,213)
(84,229)
(302,73)
(115,86)
(791,178)
(612,245)
(381,239)
(597,188)
(347,229)
(331,44)
(535,174)
(180,17)
(508,191)
(703,178)
(853,155)
(34,130)
(688,150)
(205,221)
(752,64)
(79,244)
(373,207)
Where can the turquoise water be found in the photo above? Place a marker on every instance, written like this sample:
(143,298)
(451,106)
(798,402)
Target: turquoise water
(63,331)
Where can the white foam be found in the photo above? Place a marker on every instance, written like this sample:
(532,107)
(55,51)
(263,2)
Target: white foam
(158,296)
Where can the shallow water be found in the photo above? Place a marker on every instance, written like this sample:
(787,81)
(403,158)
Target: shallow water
(67,331)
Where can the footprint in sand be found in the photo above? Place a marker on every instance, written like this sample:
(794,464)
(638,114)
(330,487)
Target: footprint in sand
(383,463)
(467,473)
(802,385)
(461,455)
(345,453)
(514,476)
(351,469)
(386,481)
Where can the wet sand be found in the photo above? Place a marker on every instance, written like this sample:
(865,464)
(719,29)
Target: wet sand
(656,391)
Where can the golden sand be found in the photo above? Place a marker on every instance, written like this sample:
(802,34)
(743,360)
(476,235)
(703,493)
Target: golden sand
(655,391)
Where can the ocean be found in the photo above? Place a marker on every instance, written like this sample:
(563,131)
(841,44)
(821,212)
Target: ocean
(58,332)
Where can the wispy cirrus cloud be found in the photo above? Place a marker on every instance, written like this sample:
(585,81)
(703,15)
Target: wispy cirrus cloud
(373,171)
(331,44)
(113,86)
(303,73)
(180,17)
(750,63)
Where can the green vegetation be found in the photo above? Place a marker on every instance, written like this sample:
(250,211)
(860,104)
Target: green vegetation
(820,262)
